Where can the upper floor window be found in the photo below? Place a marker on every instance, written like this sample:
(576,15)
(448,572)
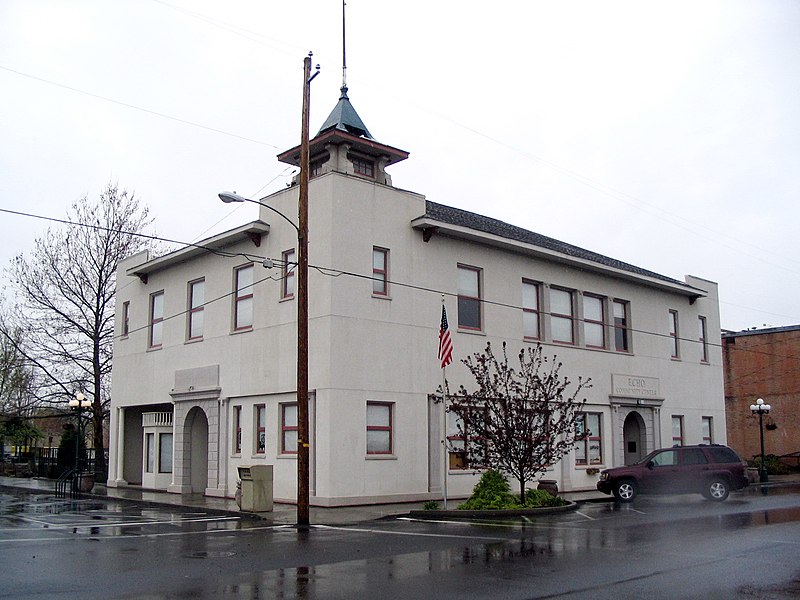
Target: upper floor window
(380,271)
(261,428)
(673,333)
(315,168)
(126,318)
(703,333)
(197,293)
(363,166)
(288,275)
(243,301)
(530,310)
(379,428)
(156,319)
(620,308)
(561,316)
(469,297)
(594,321)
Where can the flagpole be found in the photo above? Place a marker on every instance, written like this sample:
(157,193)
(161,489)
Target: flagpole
(445,453)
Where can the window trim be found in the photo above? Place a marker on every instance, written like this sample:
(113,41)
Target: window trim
(237,429)
(259,414)
(380,276)
(674,333)
(389,429)
(707,439)
(537,312)
(288,275)
(458,460)
(587,439)
(561,316)
(288,428)
(365,167)
(239,298)
(624,327)
(602,322)
(161,468)
(679,439)
(702,323)
(155,323)
(479,299)
(194,309)
(126,319)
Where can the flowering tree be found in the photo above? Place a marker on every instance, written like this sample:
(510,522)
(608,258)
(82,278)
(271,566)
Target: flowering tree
(518,421)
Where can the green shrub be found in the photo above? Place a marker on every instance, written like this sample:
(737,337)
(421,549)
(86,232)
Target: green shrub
(773,464)
(492,492)
(431,505)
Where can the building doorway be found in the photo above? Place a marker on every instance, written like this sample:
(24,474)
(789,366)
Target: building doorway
(196,431)
(633,438)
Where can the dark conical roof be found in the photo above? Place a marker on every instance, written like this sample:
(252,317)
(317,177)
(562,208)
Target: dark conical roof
(345,118)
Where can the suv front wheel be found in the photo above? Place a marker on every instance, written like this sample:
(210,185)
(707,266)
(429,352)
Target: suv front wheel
(716,490)
(625,490)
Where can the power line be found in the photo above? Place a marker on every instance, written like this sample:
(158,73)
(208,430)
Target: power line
(334,272)
(139,108)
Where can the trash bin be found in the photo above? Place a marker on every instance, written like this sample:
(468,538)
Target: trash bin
(256,488)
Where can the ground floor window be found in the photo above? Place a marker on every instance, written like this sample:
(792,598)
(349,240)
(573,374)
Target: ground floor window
(466,449)
(708,437)
(164,452)
(589,439)
(261,429)
(677,430)
(379,428)
(150,452)
(289,428)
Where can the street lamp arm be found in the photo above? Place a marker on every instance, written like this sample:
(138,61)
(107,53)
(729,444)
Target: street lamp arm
(229,197)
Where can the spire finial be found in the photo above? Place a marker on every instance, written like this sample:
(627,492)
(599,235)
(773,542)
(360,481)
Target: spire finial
(344,50)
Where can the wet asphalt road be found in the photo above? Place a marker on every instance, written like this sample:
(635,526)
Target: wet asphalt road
(677,547)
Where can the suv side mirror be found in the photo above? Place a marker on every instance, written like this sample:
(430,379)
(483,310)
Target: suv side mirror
(651,464)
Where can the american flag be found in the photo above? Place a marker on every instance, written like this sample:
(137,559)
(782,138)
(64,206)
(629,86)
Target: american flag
(445,343)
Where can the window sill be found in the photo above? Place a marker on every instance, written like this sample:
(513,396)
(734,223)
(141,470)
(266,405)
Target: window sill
(193,340)
(471,331)
(380,457)
(242,330)
(286,298)
(381,296)
(154,348)
(287,456)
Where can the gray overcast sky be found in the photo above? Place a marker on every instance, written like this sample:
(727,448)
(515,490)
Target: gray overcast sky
(665,134)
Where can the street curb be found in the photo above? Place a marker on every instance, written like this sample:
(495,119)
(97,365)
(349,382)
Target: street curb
(492,514)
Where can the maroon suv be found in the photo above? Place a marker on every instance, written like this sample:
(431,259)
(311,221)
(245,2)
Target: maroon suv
(712,470)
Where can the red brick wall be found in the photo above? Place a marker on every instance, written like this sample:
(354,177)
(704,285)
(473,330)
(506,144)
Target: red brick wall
(763,365)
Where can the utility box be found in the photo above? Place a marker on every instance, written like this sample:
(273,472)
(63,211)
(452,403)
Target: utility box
(256,488)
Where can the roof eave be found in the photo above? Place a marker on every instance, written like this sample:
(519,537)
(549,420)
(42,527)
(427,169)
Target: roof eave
(217,242)
(466,233)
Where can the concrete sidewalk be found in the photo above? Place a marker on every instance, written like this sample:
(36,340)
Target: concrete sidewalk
(282,514)
(286,514)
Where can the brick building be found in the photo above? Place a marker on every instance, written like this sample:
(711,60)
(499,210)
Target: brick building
(763,363)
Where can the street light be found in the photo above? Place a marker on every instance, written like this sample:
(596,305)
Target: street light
(78,403)
(761,409)
(302,298)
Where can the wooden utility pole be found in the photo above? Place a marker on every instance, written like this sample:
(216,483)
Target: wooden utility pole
(302,311)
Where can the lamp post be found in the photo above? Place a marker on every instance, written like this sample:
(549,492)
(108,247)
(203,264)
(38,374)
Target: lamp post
(761,409)
(78,403)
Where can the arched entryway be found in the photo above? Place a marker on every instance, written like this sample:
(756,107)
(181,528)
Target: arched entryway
(633,438)
(196,433)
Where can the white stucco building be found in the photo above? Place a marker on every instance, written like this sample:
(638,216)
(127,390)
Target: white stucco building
(205,353)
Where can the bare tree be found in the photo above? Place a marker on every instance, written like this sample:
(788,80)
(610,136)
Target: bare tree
(65,293)
(17,378)
(518,421)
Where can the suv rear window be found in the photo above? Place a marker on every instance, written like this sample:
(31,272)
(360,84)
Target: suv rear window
(722,454)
